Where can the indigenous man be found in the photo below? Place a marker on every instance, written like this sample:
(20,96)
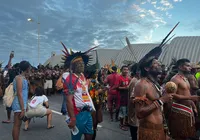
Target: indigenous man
(181,119)
(132,118)
(194,87)
(123,88)
(113,93)
(148,101)
(79,103)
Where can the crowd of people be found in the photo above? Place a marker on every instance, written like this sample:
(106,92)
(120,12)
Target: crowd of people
(138,95)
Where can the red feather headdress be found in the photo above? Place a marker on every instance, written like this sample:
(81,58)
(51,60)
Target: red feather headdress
(68,57)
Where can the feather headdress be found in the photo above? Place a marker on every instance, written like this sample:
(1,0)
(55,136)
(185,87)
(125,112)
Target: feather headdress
(1,64)
(70,57)
(155,53)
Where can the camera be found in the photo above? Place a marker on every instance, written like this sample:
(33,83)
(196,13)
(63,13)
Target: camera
(24,119)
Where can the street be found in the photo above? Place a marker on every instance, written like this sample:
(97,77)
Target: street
(37,129)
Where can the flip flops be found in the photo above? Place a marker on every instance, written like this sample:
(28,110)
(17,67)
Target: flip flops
(25,129)
(52,126)
(6,121)
(122,127)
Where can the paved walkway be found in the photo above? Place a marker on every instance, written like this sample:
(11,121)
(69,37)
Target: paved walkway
(106,131)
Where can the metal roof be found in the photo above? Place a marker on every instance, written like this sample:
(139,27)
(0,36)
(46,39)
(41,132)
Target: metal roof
(135,53)
(54,60)
(183,47)
(104,55)
(179,47)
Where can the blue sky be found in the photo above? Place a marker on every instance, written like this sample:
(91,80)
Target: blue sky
(81,24)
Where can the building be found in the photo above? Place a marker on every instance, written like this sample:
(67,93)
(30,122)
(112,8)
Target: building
(179,47)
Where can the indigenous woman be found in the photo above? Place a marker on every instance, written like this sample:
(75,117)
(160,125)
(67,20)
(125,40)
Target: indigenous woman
(96,94)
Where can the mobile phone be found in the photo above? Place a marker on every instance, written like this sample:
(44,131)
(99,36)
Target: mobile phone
(12,53)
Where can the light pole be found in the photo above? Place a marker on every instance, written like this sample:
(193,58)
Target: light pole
(38,23)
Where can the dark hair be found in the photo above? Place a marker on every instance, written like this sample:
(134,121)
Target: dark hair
(124,66)
(134,69)
(114,68)
(147,64)
(39,91)
(35,82)
(24,65)
(181,62)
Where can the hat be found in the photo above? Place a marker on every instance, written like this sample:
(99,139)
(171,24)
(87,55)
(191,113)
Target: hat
(195,66)
(90,70)
(1,64)
(72,57)
(155,52)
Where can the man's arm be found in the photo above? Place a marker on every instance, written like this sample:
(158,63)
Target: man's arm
(70,106)
(142,111)
(193,83)
(120,87)
(9,61)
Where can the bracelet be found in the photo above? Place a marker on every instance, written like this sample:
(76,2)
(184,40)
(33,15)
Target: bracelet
(156,104)
(160,102)
(72,118)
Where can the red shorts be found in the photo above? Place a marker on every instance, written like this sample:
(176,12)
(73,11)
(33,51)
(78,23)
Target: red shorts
(113,98)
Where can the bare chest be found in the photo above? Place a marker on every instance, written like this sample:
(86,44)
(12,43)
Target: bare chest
(153,94)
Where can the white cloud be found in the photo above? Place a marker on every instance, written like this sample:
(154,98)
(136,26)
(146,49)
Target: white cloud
(168,15)
(49,31)
(165,5)
(142,15)
(152,13)
(177,0)
(154,2)
(148,37)
(138,8)
(96,42)
(143,2)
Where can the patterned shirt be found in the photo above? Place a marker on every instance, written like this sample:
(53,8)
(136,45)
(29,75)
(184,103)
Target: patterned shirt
(81,96)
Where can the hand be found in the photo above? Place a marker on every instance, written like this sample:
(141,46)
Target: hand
(126,87)
(11,55)
(195,112)
(166,98)
(22,114)
(72,124)
(195,98)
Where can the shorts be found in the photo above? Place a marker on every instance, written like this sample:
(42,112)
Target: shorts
(84,124)
(114,98)
(39,111)
(16,107)
(123,111)
(48,84)
(9,108)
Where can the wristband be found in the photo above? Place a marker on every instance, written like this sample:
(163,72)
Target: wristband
(72,118)
(156,104)
(160,102)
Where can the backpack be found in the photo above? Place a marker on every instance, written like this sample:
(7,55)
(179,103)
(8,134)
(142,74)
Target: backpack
(9,96)
(59,84)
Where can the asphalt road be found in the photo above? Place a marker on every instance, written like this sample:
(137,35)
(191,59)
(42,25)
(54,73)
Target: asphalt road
(37,130)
